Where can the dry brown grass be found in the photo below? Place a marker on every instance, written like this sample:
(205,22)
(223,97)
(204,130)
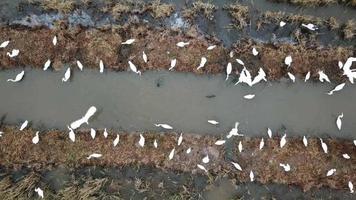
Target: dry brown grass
(349,29)
(160,10)
(63,6)
(239,13)
(199,6)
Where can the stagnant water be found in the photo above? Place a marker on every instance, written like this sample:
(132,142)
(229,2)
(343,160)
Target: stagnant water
(129,102)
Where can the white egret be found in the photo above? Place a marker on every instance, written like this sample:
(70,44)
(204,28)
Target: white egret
(155,144)
(245,77)
(213,122)
(330,172)
(288,60)
(85,119)
(206,159)
(262,143)
(66,75)
(307,77)
(240,61)
(144,56)
(323,77)
(286,167)
(249,96)
(350,73)
(173,64)
(228,70)
(261,76)
(4,44)
(117,140)
(36,139)
(92,133)
(355,142)
(101,66)
(252,176)
(291,76)
(165,126)
(254,51)
(23,125)
(94,155)
(283,141)
(346,156)
(71,134)
(46,65)
(141,142)
(188,150)
(340,65)
(203,60)
(54,40)
(337,88)
(231,54)
(237,166)
(39,192)
(80,65)
(134,68)
(220,142)
(202,168)
(180,139)
(269,133)
(240,146)
(324,146)
(234,131)
(105,133)
(14,53)
(338,121)
(351,187)
(282,23)
(309,26)
(1,133)
(182,44)
(305,141)
(18,77)
(211,47)
(171,154)
(129,41)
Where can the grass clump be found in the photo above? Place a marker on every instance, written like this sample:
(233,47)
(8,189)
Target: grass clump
(63,6)
(199,6)
(239,13)
(349,30)
(160,10)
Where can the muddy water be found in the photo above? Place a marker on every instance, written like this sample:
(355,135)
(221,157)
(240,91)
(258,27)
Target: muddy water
(129,102)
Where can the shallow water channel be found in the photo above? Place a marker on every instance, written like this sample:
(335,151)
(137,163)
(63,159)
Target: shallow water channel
(129,102)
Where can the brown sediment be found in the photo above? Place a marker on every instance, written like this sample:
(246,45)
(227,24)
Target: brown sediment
(315,3)
(239,13)
(308,165)
(91,45)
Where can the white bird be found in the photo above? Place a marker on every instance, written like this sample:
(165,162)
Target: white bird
(282,23)
(23,125)
(355,142)
(66,75)
(351,187)
(94,155)
(234,131)
(337,88)
(71,134)
(18,77)
(211,47)
(92,133)
(288,60)
(240,61)
(117,140)
(330,172)
(1,133)
(4,44)
(305,141)
(14,53)
(101,66)
(155,144)
(323,77)
(213,122)
(105,133)
(85,119)
(262,143)
(254,51)
(141,142)
(129,41)
(46,65)
(134,68)
(245,77)
(173,64)
(252,176)
(228,70)
(283,141)
(269,133)
(188,150)
(180,139)
(249,96)
(202,168)
(340,64)
(324,146)
(350,73)
(165,126)
(202,62)
(80,65)
(338,121)
(237,166)
(182,44)
(54,41)
(206,159)
(39,192)
(346,156)
(231,54)
(144,56)
(311,27)
(171,154)
(240,146)
(261,76)
(291,76)
(36,139)
(307,77)
(286,167)
(220,142)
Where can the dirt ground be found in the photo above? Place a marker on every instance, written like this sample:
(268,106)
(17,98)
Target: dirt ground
(91,45)
(308,165)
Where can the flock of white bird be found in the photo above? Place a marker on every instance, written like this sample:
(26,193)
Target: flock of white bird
(244,77)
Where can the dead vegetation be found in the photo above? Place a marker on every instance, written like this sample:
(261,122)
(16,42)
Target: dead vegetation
(63,6)
(239,13)
(349,29)
(199,6)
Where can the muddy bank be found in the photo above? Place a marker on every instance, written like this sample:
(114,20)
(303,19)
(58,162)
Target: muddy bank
(316,3)
(308,165)
(91,45)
